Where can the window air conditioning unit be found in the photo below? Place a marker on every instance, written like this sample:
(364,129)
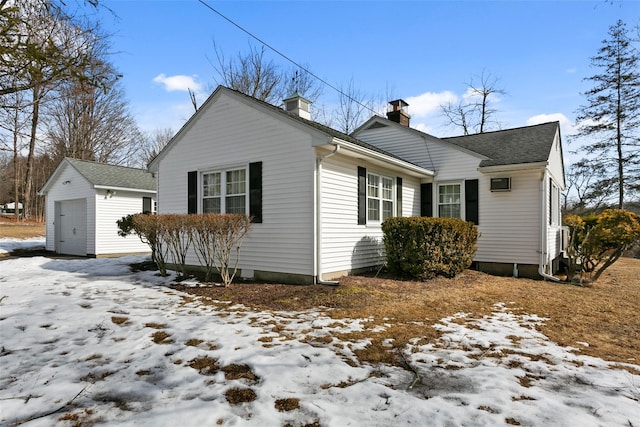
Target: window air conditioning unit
(500,184)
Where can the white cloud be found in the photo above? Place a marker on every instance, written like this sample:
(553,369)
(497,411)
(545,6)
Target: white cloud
(566,125)
(178,83)
(429,102)
(571,70)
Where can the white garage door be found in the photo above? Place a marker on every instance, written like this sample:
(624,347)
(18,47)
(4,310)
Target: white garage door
(72,227)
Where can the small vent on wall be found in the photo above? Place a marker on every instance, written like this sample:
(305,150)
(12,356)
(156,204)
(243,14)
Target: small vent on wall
(500,184)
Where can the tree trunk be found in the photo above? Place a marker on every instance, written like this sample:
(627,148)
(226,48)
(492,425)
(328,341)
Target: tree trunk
(16,169)
(28,180)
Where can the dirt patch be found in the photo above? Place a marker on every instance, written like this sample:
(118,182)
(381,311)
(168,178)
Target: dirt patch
(605,314)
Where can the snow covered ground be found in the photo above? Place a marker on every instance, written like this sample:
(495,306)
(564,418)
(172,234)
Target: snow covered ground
(8,245)
(127,350)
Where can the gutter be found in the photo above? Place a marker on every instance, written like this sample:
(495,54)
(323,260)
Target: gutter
(543,231)
(513,167)
(318,203)
(110,187)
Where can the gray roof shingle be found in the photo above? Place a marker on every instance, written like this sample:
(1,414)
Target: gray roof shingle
(529,144)
(114,176)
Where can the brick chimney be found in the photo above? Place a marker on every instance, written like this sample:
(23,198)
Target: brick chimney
(397,112)
(298,105)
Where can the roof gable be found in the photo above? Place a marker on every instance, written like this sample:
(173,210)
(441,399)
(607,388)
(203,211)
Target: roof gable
(275,111)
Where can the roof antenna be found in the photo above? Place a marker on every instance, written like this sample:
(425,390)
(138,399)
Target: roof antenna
(294,79)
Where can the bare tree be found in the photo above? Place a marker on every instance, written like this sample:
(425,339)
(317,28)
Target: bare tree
(353,107)
(91,124)
(153,143)
(33,41)
(475,112)
(587,187)
(255,75)
(39,47)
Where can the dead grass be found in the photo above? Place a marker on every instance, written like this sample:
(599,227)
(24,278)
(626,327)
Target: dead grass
(236,395)
(20,230)
(286,405)
(161,337)
(205,365)
(605,314)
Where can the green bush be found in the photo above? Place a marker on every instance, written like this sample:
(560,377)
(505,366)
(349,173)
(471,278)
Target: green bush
(599,240)
(423,248)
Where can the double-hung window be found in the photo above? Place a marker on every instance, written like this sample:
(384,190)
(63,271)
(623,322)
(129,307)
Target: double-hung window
(225,191)
(379,197)
(449,204)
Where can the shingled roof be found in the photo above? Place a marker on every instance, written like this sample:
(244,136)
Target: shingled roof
(529,144)
(104,175)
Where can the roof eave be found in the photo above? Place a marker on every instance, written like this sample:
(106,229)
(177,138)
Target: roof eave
(514,167)
(111,187)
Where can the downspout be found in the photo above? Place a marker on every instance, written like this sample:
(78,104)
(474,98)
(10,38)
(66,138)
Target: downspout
(543,230)
(319,218)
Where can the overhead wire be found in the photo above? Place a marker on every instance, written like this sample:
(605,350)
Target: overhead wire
(306,70)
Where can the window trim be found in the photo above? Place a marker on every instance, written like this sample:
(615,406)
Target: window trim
(223,186)
(380,197)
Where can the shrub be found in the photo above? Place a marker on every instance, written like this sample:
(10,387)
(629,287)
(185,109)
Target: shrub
(216,239)
(176,232)
(149,229)
(597,241)
(424,248)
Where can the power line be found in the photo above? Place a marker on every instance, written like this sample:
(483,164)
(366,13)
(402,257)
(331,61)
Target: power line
(211,8)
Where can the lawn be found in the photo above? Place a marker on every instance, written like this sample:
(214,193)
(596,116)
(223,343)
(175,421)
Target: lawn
(90,342)
(606,314)
(9,228)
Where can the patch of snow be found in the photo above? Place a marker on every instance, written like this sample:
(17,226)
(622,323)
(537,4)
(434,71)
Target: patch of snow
(9,245)
(122,344)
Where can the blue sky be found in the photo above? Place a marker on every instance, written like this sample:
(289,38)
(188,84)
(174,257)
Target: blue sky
(421,51)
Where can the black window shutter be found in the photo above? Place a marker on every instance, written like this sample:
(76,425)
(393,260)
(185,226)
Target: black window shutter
(192,192)
(550,201)
(426,199)
(362,195)
(146,205)
(255,192)
(471,200)
(398,196)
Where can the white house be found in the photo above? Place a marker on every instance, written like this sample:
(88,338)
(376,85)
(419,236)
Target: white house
(84,200)
(318,196)
(10,208)
(507,182)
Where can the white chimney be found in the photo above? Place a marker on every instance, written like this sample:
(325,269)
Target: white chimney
(298,105)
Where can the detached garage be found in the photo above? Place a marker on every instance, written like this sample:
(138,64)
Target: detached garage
(85,199)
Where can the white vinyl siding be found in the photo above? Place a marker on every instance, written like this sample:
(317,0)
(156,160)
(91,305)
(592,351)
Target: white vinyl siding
(226,132)
(345,245)
(102,212)
(111,208)
(509,221)
(76,187)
